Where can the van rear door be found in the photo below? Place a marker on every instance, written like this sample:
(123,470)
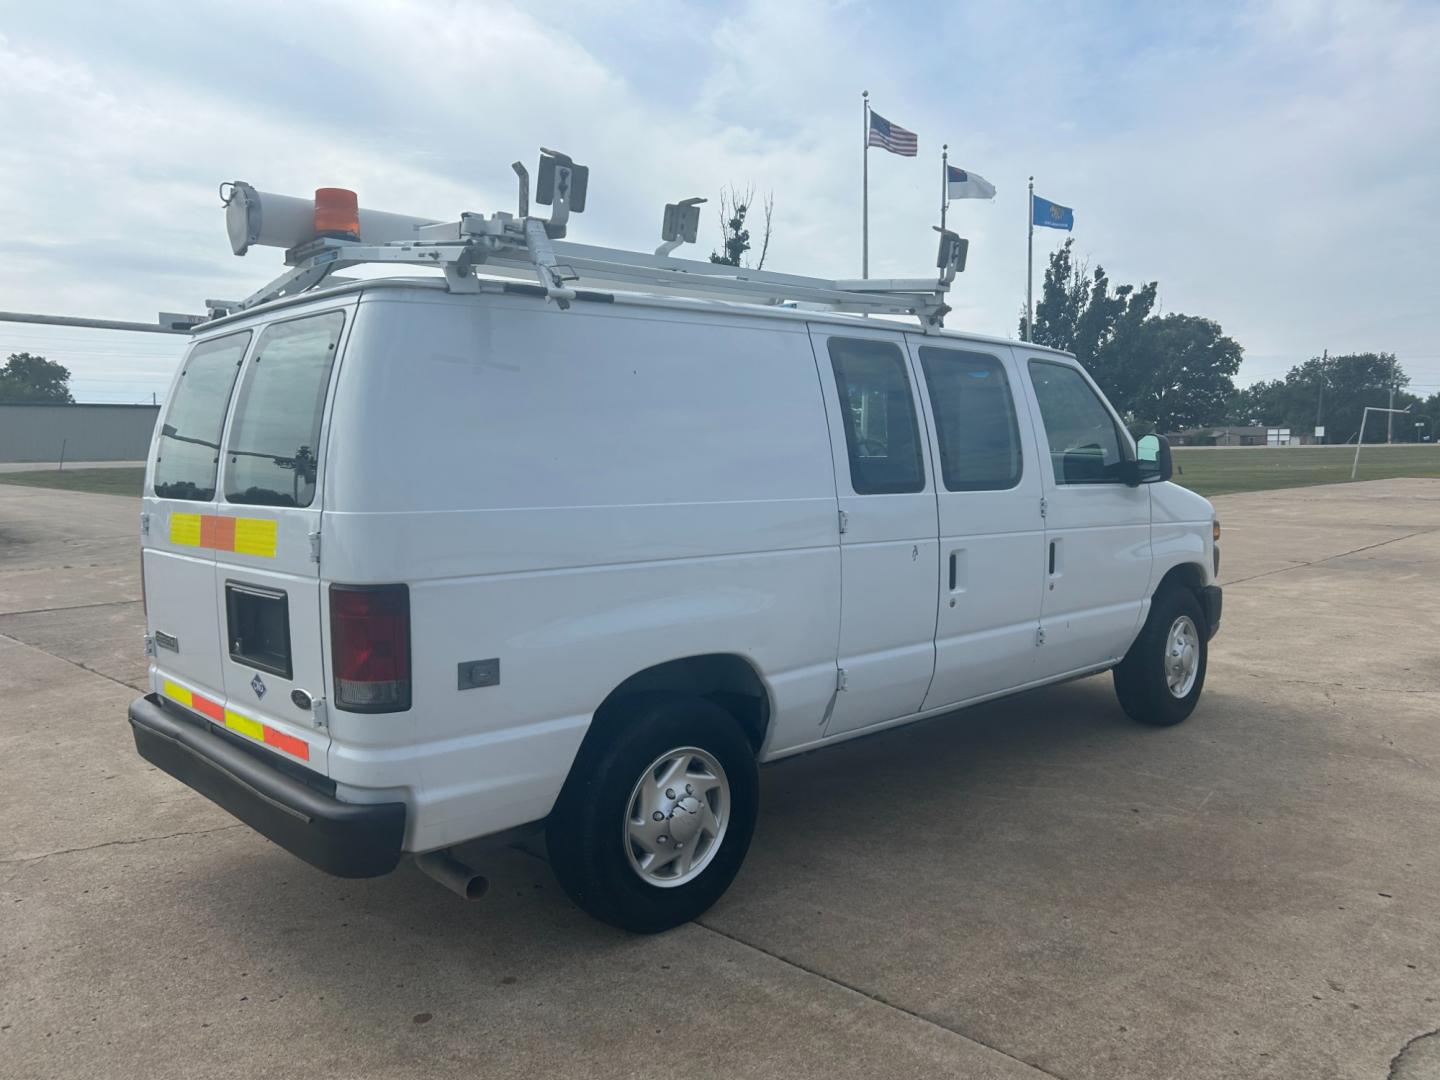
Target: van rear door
(180,504)
(266,582)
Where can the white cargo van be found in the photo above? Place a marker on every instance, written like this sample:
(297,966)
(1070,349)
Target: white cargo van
(425,564)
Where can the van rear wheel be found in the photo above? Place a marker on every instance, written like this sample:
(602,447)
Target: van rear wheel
(1160,679)
(657,813)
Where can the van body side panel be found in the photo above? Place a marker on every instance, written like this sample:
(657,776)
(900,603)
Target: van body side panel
(578,496)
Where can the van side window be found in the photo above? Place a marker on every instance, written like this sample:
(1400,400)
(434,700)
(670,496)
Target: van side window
(1085,445)
(881,431)
(274,441)
(974,419)
(189,449)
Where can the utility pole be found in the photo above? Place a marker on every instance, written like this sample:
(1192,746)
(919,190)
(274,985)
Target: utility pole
(1390,419)
(1320,404)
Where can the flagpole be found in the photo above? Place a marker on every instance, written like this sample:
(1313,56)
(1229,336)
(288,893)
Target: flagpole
(1030,263)
(944,188)
(865,192)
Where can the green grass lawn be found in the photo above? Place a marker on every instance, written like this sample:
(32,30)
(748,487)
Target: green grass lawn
(1258,468)
(104,481)
(1210,472)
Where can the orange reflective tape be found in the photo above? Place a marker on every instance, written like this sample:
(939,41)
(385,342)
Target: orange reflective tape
(217,532)
(291,745)
(206,707)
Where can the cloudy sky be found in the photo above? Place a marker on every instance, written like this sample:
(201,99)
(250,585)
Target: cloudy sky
(1274,164)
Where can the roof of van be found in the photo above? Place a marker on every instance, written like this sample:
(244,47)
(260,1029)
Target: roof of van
(711,307)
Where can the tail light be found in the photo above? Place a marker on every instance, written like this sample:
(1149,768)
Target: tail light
(370,647)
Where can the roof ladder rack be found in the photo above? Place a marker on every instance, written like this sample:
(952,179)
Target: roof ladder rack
(476,247)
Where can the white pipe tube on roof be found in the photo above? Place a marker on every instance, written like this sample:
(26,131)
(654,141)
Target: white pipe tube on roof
(266,219)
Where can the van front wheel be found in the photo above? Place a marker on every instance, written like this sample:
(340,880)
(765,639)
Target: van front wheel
(1160,679)
(657,813)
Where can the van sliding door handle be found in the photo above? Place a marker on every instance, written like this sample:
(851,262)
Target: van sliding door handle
(954,558)
(1052,557)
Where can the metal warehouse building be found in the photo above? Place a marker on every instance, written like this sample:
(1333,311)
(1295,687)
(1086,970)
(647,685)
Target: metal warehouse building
(76,432)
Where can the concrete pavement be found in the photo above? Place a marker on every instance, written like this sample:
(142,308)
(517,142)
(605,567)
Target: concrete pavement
(1031,888)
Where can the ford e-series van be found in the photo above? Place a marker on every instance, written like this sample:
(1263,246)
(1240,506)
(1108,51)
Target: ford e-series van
(424,565)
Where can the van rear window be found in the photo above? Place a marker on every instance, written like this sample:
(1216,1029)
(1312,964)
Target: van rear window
(274,441)
(189,447)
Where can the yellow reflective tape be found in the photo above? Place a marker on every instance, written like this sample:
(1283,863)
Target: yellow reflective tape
(185,530)
(176,692)
(244,725)
(255,536)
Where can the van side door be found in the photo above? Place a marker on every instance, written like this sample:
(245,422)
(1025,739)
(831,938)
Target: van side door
(992,537)
(889,532)
(1097,530)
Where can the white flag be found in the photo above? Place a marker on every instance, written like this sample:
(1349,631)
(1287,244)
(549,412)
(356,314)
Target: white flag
(960,184)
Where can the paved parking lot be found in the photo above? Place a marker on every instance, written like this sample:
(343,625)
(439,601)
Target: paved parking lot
(1033,888)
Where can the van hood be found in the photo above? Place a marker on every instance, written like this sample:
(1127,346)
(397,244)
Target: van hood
(1171,502)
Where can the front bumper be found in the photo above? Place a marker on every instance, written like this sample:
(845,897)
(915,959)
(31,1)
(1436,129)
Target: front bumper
(352,840)
(1212,599)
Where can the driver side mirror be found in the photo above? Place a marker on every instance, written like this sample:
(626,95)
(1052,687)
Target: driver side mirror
(1153,462)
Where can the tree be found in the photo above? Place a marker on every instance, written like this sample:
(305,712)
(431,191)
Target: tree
(1257,405)
(1350,383)
(28,378)
(1185,379)
(1062,297)
(1428,414)
(1162,373)
(735,246)
(1331,392)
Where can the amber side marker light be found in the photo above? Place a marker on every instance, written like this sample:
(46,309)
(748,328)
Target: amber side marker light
(337,213)
(1215,529)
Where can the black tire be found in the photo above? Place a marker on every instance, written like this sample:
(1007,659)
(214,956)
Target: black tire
(1140,679)
(585,833)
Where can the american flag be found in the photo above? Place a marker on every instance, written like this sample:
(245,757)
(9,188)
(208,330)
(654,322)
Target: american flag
(891,137)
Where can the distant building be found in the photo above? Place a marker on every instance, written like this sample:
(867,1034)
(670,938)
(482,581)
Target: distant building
(1242,436)
(1220,436)
(46,432)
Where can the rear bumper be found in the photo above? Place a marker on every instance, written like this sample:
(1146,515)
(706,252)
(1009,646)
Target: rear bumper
(352,840)
(1212,599)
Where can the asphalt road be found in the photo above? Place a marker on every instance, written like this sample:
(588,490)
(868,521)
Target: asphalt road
(1032,888)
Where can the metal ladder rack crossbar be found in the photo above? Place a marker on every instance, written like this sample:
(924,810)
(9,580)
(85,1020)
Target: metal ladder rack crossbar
(475,245)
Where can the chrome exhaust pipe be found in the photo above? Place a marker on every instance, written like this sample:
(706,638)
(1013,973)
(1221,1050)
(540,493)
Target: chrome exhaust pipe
(449,871)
